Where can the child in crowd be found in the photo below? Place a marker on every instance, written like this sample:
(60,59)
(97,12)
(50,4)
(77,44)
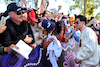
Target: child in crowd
(52,44)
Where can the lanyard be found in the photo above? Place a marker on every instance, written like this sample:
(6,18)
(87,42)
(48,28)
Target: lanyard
(83,29)
(80,36)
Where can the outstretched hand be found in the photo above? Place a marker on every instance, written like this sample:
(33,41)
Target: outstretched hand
(28,39)
(9,48)
(34,45)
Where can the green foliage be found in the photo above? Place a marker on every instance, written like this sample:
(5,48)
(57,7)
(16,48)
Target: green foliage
(98,16)
(91,6)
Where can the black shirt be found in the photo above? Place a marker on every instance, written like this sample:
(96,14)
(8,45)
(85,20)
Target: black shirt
(16,32)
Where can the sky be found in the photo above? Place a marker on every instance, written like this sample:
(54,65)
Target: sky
(2,6)
(65,6)
(97,11)
(54,4)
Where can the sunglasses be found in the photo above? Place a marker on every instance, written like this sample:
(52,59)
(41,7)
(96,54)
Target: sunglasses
(77,22)
(19,13)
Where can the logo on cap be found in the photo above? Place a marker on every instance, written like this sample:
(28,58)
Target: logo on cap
(18,5)
(18,9)
(48,25)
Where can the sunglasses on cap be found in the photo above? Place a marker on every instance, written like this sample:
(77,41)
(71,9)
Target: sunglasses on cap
(19,13)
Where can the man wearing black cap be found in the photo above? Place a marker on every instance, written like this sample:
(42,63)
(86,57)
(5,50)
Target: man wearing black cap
(17,28)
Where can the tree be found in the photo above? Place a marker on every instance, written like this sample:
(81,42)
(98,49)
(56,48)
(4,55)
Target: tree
(87,7)
(98,16)
(85,3)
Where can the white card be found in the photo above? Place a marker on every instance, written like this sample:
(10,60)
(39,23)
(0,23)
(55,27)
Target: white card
(24,49)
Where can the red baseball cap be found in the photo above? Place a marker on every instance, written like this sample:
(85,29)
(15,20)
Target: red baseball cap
(32,15)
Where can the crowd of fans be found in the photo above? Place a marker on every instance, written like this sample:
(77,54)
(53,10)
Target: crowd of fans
(49,30)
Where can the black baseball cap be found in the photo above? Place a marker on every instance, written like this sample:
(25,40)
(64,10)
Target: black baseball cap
(13,7)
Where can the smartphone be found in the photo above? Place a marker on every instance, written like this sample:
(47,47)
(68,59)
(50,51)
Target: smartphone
(45,36)
(53,10)
(67,34)
(3,19)
(59,7)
